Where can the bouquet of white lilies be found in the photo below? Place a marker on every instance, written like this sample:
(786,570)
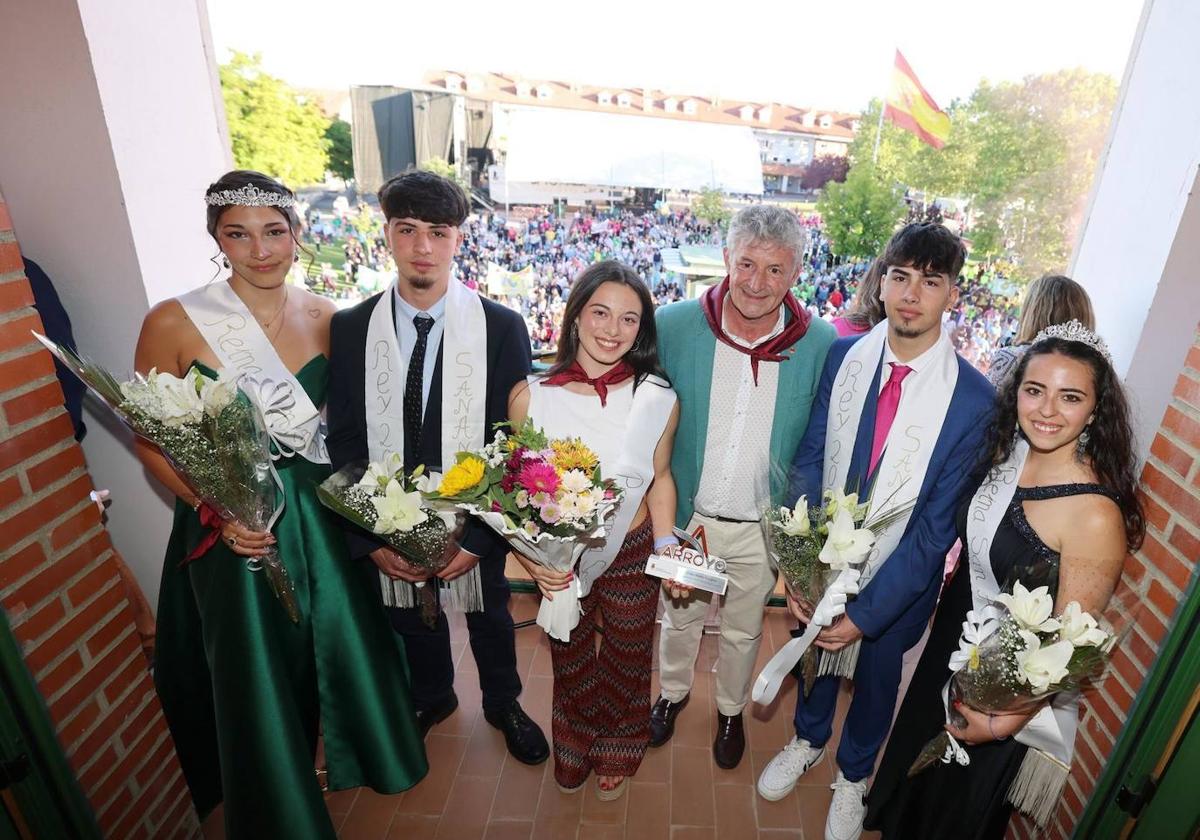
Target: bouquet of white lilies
(1013,655)
(214,435)
(381,499)
(820,552)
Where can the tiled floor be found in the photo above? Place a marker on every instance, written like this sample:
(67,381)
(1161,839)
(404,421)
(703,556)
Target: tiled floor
(475,791)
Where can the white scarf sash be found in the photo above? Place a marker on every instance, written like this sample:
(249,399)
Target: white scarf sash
(634,472)
(237,340)
(1050,733)
(901,472)
(909,448)
(464,402)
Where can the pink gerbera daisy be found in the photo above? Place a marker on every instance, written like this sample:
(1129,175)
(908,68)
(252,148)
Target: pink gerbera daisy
(538,477)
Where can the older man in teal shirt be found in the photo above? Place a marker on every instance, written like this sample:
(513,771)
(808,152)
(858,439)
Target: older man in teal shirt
(745,359)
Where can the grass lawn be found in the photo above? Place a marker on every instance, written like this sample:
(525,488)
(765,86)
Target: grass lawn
(331,254)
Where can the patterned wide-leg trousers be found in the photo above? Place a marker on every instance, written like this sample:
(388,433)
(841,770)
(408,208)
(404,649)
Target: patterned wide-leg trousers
(601,709)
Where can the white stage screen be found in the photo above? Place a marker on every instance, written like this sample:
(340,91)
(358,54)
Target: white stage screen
(581,147)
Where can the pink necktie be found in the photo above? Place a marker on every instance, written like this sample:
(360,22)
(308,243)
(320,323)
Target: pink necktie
(885,413)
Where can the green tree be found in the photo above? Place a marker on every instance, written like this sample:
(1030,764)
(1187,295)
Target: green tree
(1022,154)
(710,206)
(443,167)
(341,149)
(861,213)
(271,127)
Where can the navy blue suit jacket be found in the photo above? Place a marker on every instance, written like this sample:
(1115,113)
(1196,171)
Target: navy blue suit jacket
(904,590)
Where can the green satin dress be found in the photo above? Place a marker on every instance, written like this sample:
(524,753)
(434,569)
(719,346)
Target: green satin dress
(244,689)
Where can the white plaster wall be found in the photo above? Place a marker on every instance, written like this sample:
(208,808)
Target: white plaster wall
(1141,241)
(109,133)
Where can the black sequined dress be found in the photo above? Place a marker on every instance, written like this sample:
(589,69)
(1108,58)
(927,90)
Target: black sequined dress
(949,800)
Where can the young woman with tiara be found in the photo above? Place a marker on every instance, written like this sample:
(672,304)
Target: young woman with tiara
(1056,507)
(606,388)
(245,689)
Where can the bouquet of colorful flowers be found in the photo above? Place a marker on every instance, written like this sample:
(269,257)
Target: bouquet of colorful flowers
(815,547)
(381,499)
(1013,655)
(545,496)
(215,437)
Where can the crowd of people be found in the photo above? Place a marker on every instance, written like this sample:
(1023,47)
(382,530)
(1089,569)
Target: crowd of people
(552,249)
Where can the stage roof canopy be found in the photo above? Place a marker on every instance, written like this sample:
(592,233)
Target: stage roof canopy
(619,150)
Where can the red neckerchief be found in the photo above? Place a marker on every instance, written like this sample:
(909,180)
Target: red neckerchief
(575,373)
(209,518)
(712,302)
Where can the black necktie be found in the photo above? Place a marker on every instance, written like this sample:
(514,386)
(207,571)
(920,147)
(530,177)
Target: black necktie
(412,387)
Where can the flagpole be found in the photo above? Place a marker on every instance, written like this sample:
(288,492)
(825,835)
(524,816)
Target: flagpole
(882,108)
(878,131)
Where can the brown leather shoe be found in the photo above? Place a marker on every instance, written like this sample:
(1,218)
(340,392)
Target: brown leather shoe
(731,741)
(662,719)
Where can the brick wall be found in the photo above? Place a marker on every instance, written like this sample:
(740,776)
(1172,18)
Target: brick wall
(1159,574)
(61,590)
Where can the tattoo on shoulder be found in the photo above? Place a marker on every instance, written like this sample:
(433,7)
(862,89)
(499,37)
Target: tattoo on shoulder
(314,313)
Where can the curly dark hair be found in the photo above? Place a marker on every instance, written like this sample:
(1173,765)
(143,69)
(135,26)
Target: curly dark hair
(1110,443)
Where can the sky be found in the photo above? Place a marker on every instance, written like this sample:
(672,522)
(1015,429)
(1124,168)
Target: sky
(834,54)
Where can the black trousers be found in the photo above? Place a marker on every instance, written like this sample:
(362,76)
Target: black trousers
(493,644)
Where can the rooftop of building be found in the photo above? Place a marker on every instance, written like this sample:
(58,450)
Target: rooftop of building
(771,116)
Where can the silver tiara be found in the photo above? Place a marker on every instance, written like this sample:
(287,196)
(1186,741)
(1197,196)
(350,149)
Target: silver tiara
(1075,331)
(249,196)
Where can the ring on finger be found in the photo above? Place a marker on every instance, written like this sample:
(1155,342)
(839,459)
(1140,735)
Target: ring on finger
(233,541)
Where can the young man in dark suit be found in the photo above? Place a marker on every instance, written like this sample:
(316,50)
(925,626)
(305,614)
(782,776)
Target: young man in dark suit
(424,213)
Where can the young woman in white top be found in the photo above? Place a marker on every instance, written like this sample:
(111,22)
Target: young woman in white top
(606,388)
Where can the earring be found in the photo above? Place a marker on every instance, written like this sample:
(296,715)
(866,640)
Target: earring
(574,330)
(225,261)
(1081,444)
(635,346)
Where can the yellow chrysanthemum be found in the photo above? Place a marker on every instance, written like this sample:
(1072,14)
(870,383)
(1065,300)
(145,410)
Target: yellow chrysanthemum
(573,455)
(462,476)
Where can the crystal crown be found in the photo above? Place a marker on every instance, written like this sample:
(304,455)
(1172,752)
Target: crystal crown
(249,196)
(1075,331)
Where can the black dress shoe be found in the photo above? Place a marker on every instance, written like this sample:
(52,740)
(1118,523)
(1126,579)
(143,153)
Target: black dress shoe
(662,719)
(731,741)
(524,738)
(436,713)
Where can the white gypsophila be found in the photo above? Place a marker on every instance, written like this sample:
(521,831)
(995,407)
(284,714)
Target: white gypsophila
(845,545)
(397,510)
(575,481)
(795,522)
(1042,666)
(1031,610)
(1079,628)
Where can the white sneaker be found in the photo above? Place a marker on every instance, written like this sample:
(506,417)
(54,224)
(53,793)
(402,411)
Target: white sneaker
(846,811)
(780,776)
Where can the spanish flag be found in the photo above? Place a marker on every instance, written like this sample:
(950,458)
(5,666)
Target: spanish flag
(910,106)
